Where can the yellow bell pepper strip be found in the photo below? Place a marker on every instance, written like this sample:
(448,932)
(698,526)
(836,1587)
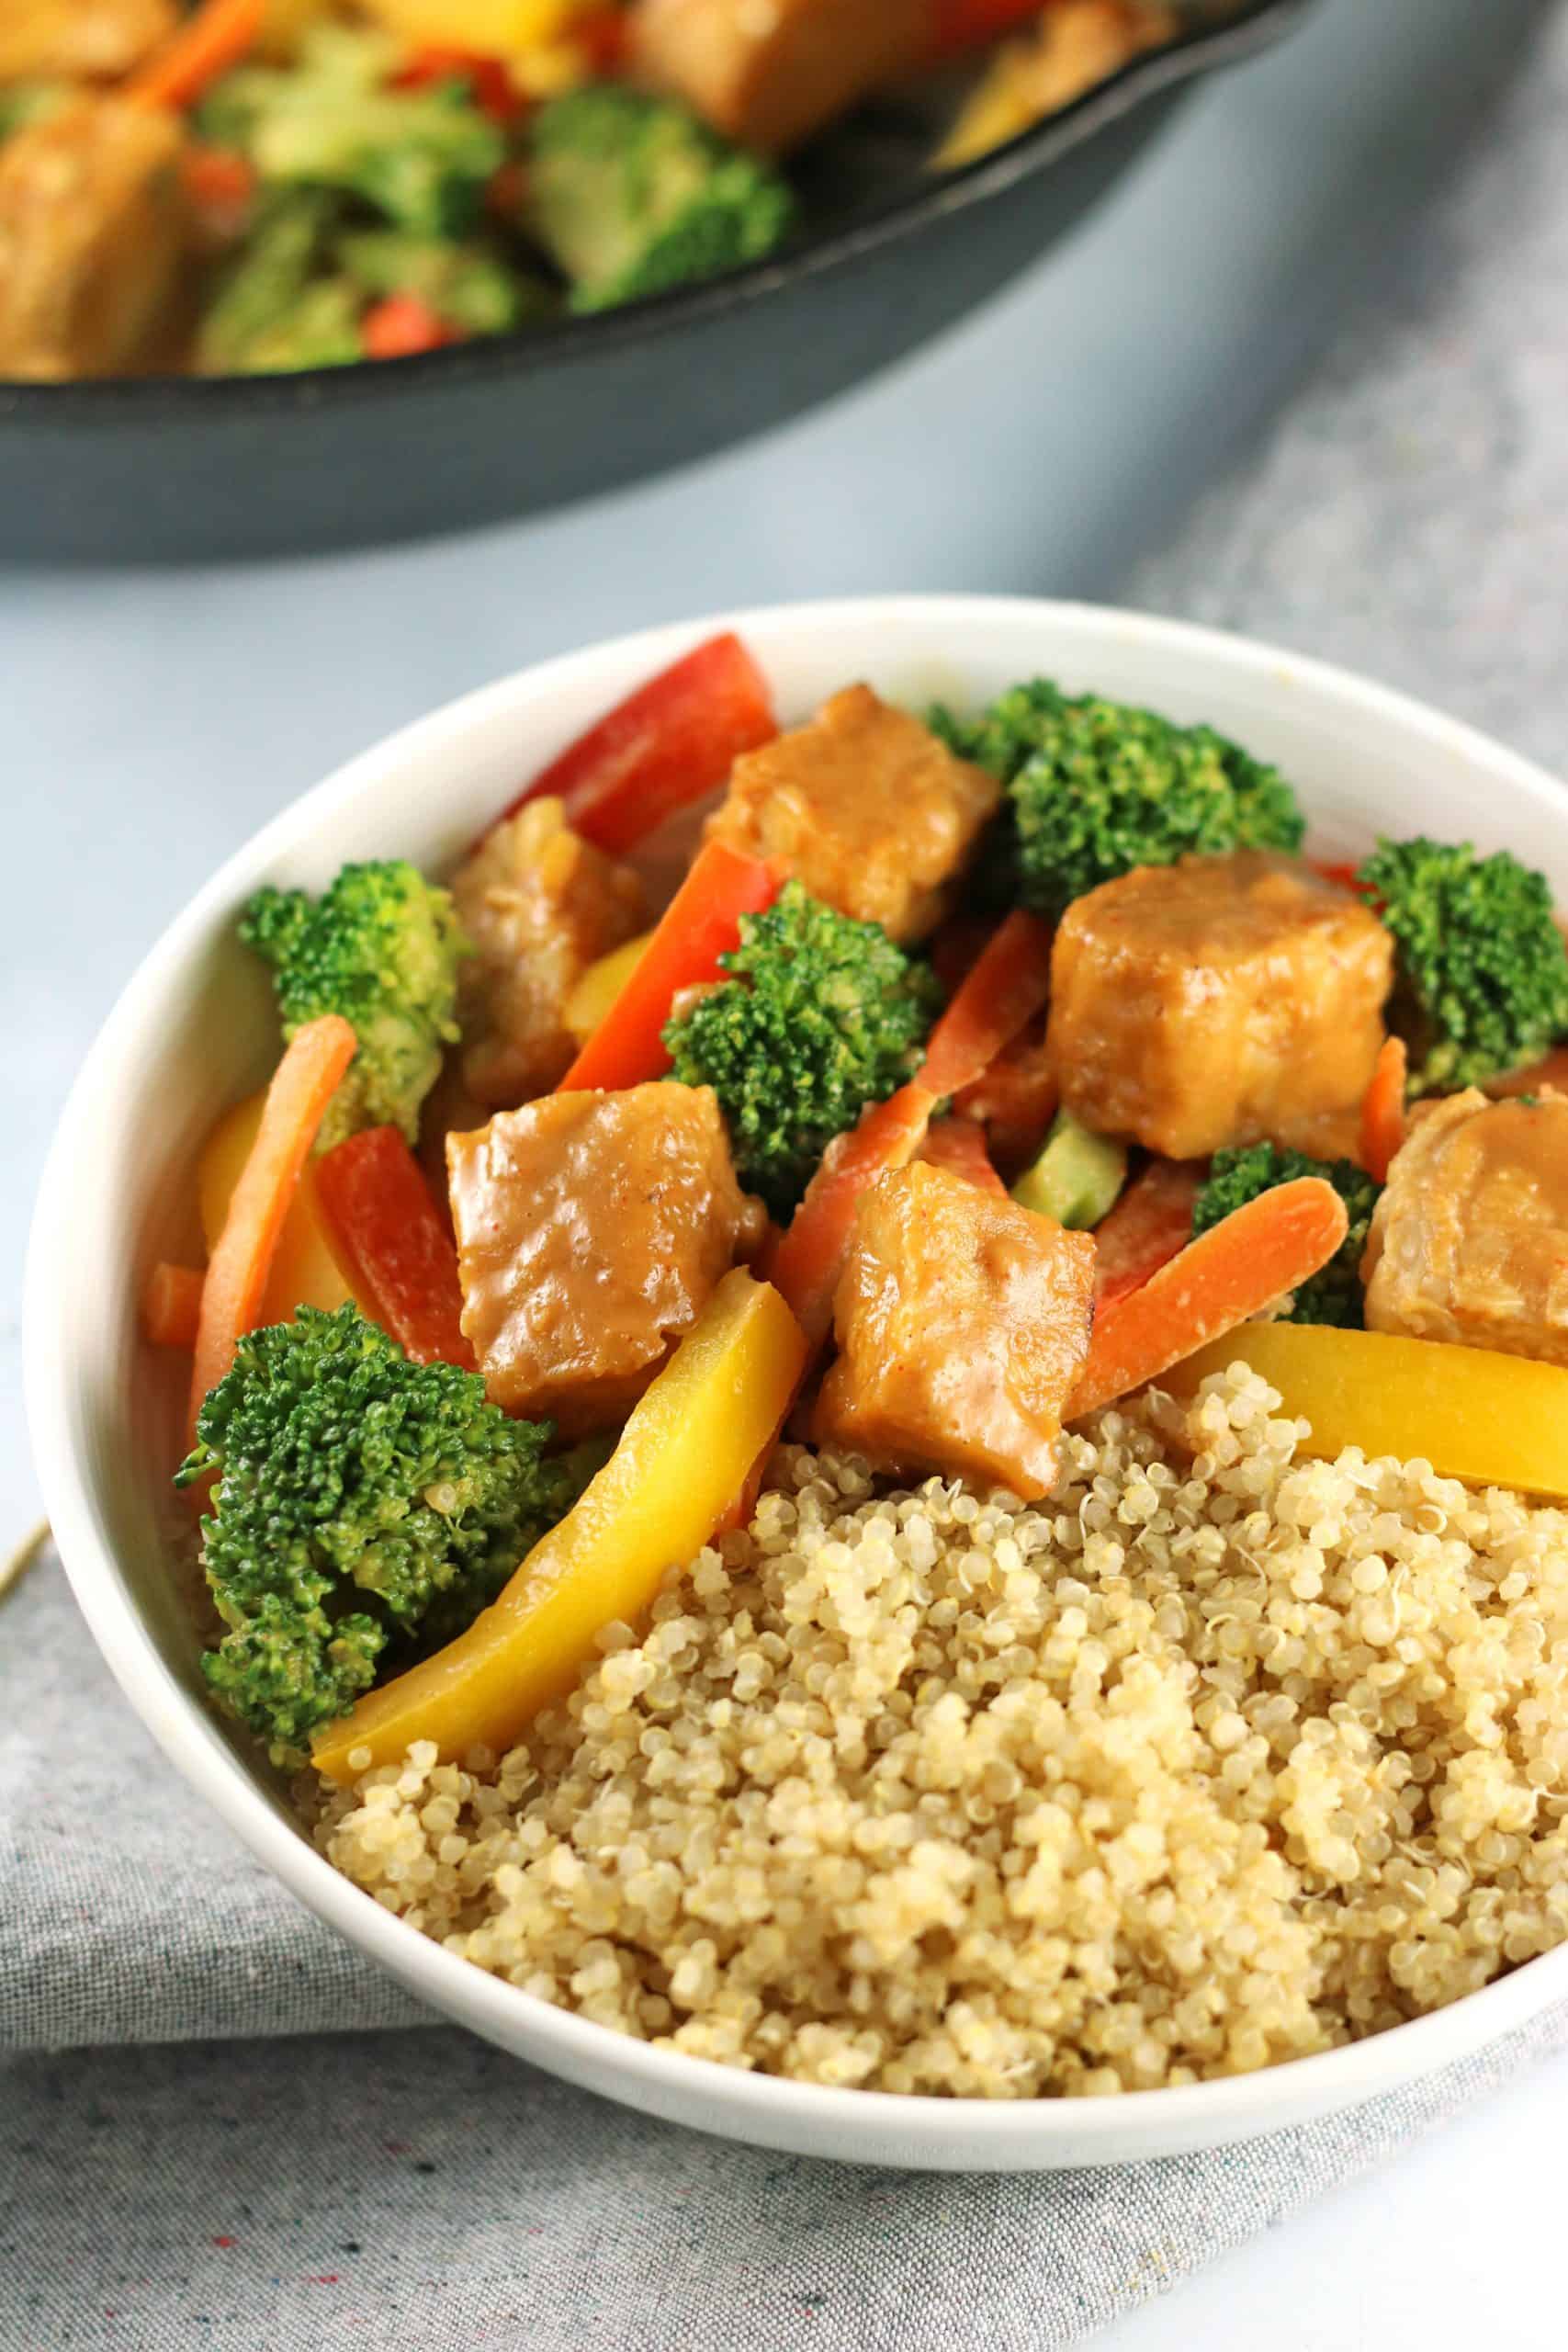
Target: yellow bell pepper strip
(1491,1419)
(681,1459)
(304,1271)
(600,986)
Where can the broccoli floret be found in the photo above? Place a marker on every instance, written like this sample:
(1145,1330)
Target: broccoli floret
(632,195)
(1097,787)
(362,1504)
(467,286)
(822,1016)
(1235,1177)
(421,156)
(1483,975)
(268,313)
(25,102)
(381,948)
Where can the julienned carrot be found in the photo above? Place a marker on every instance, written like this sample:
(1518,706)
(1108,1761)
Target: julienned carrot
(1382,1109)
(1233,1271)
(959,1145)
(700,923)
(1150,1223)
(807,1262)
(1002,990)
(302,1086)
(207,44)
(401,326)
(171,1305)
(671,742)
(394,1250)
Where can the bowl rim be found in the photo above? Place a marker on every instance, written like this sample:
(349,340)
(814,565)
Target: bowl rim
(882,221)
(671,2082)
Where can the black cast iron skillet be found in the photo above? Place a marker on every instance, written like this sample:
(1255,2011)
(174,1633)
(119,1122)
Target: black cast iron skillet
(168,468)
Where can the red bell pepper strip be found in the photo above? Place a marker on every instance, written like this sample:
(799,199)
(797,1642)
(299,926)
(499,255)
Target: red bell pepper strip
(394,1250)
(401,326)
(1382,1109)
(966,24)
(600,41)
(807,1260)
(671,743)
(220,186)
(171,1305)
(700,923)
(494,91)
(959,1145)
(1004,988)
(1150,1225)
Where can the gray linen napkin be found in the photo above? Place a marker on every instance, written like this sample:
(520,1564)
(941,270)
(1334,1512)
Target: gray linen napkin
(141,2186)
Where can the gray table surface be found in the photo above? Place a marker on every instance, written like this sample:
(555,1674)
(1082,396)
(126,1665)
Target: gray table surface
(1304,376)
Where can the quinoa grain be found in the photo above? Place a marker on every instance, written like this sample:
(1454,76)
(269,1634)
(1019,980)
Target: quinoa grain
(1213,1759)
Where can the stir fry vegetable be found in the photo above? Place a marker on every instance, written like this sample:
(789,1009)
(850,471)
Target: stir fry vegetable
(1235,1177)
(379,950)
(346,1474)
(1252,1257)
(1097,787)
(682,1456)
(377,1207)
(295,1108)
(671,742)
(257,185)
(702,925)
(432,1269)
(1482,965)
(817,1016)
(1494,1421)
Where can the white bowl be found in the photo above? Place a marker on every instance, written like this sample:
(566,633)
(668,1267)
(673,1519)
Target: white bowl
(196,1028)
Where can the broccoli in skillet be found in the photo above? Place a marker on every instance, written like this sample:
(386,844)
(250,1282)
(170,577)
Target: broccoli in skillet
(298,292)
(631,196)
(822,1015)
(381,948)
(1237,1176)
(362,1501)
(1097,787)
(335,120)
(1483,971)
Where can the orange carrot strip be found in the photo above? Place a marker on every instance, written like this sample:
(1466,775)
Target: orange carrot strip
(1382,1109)
(700,923)
(171,1305)
(205,45)
(1003,989)
(388,1236)
(1237,1268)
(302,1086)
(807,1261)
(1149,1224)
(959,1145)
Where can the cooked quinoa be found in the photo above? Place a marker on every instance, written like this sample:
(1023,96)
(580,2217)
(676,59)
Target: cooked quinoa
(1217,1757)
